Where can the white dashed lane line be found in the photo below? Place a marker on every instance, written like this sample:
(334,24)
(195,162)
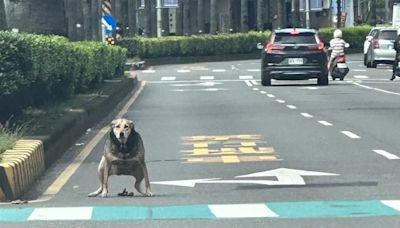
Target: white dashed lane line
(280,101)
(253,70)
(207,78)
(254,82)
(255,89)
(386,154)
(325,123)
(219,70)
(168,78)
(263,92)
(291,106)
(306,115)
(271,95)
(248,83)
(246,77)
(351,135)
(360,76)
(183,71)
(148,71)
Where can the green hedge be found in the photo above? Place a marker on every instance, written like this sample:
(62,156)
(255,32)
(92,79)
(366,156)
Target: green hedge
(37,69)
(202,45)
(222,44)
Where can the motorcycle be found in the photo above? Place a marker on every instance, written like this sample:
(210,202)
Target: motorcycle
(339,68)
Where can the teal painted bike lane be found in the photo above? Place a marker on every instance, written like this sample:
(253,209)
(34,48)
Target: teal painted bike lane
(272,210)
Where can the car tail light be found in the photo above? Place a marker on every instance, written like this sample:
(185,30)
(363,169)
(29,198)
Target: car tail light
(271,47)
(341,59)
(320,45)
(376,44)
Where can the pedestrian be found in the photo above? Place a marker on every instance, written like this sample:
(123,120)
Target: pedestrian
(396,58)
(337,45)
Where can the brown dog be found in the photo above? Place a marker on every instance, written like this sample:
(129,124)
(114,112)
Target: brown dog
(123,155)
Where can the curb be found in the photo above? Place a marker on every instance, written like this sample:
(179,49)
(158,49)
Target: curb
(20,168)
(26,162)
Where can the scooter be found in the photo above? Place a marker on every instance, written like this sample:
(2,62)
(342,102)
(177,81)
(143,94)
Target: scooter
(339,68)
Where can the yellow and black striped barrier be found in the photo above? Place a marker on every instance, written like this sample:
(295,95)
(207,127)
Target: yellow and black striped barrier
(20,168)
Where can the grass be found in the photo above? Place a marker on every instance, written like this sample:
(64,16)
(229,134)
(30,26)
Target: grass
(8,138)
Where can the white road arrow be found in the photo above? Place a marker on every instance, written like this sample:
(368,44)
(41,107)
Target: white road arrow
(284,176)
(288,176)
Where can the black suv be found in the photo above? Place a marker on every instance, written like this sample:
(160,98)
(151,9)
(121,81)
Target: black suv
(294,54)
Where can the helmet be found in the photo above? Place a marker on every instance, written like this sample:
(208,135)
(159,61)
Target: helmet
(337,33)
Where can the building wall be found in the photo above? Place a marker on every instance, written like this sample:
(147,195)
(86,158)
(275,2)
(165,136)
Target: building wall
(39,16)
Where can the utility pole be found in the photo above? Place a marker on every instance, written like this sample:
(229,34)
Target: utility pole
(308,13)
(159,18)
(3,19)
(339,13)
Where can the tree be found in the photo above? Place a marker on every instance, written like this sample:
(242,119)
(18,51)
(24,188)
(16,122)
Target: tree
(186,17)
(244,17)
(3,21)
(147,8)
(213,16)
(260,15)
(200,16)
(296,13)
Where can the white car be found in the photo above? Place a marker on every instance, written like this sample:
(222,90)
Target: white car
(378,46)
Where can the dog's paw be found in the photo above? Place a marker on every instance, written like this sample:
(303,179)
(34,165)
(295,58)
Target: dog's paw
(93,194)
(148,194)
(104,194)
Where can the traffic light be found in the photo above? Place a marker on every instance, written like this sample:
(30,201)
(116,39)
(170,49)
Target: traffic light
(110,40)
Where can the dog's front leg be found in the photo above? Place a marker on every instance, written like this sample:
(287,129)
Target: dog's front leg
(104,183)
(143,188)
(100,173)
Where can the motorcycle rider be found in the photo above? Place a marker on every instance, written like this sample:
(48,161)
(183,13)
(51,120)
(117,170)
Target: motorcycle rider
(337,45)
(396,58)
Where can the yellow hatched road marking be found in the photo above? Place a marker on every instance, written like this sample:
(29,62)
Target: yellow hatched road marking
(248,144)
(199,145)
(200,152)
(230,159)
(247,150)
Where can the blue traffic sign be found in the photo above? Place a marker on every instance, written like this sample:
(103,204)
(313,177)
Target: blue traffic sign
(109,23)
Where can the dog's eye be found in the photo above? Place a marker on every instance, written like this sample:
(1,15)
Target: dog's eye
(126,126)
(117,126)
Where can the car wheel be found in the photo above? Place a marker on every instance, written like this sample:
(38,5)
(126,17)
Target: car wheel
(374,64)
(365,59)
(323,80)
(265,79)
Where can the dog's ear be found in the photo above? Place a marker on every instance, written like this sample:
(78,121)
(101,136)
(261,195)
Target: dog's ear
(131,124)
(113,123)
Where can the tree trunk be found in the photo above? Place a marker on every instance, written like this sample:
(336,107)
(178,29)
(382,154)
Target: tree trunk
(280,14)
(213,16)
(260,15)
(373,20)
(86,25)
(339,13)
(96,19)
(200,16)
(132,12)
(179,18)
(186,18)
(296,14)
(244,17)
(147,8)
(3,18)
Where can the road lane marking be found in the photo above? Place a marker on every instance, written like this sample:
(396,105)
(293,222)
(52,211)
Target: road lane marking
(376,89)
(291,106)
(242,211)
(256,89)
(360,76)
(148,71)
(351,135)
(387,154)
(270,95)
(218,70)
(248,83)
(253,70)
(280,101)
(62,179)
(263,92)
(306,115)
(230,159)
(325,123)
(245,77)
(254,82)
(207,77)
(65,214)
(183,71)
(359,70)
(168,78)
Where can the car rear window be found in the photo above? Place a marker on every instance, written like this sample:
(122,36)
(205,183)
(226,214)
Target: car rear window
(388,35)
(302,38)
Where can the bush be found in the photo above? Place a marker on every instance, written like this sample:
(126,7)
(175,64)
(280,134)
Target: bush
(37,69)
(197,45)
(355,36)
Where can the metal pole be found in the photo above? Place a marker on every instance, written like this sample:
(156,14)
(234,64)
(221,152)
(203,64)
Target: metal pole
(308,13)
(159,19)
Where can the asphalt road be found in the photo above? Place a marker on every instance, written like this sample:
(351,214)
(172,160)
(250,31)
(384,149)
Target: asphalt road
(332,152)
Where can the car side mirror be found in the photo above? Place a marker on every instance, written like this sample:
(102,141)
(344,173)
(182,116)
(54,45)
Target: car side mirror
(369,38)
(260,46)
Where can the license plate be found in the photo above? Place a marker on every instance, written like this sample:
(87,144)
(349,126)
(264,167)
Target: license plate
(341,65)
(295,61)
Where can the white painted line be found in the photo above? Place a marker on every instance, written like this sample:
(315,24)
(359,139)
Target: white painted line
(263,92)
(168,78)
(306,115)
(219,70)
(248,83)
(387,154)
(246,77)
(254,70)
(359,70)
(61,214)
(242,211)
(254,82)
(271,95)
(351,135)
(148,71)
(280,101)
(325,123)
(207,77)
(291,106)
(361,76)
(395,204)
(376,89)
(255,89)
(183,71)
